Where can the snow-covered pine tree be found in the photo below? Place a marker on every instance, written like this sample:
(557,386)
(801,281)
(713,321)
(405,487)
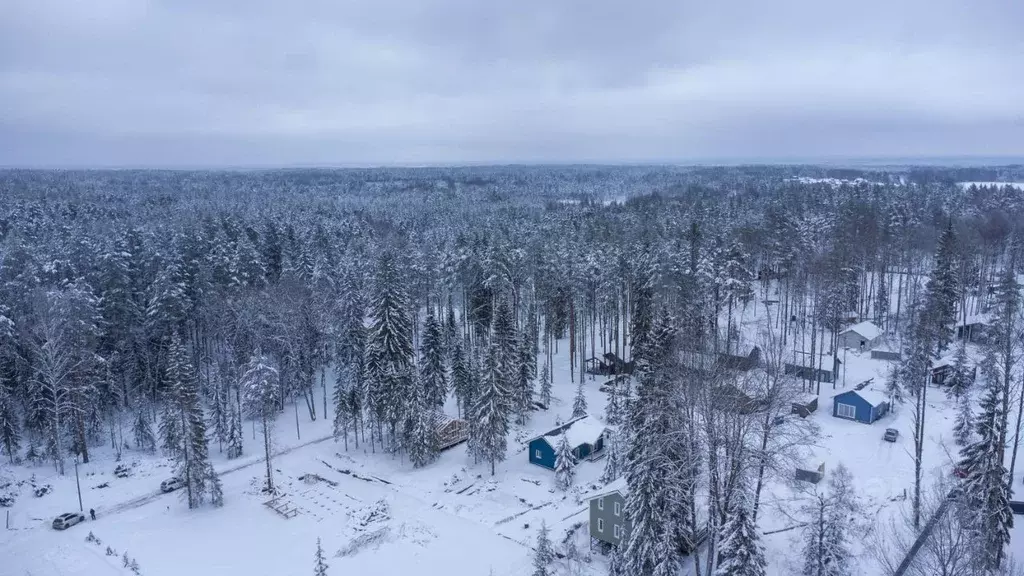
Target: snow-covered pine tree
(259,388)
(545,385)
(613,408)
(526,367)
(433,377)
(960,377)
(171,432)
(985,487)
(235,440)
(142,431)
(462,381)
(422,437)
(613,457)
(963,426)
(182,403)
(942,289)
(579,401)
(826,550)
(389,348)
(544,553)
(215,487)
(565,464)
(342,408)
(350,355)
(320,567)
(10,429)
(490,414)
(740,550)
(220,409)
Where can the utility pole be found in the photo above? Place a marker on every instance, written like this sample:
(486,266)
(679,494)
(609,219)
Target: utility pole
(77,484)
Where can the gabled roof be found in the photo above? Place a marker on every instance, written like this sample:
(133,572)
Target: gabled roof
(618,486)
(872,397)
(866,329)
(944,362)
(583,430)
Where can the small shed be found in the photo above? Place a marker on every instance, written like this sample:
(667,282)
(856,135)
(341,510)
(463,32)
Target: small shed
(865,406)
(617,365)
(741,358)
(812,475)
(585,435)
(805,405)
(943,367)
(450,431)
(596,366)
(973,327)
(729,398)
(886,352)
(824,367)
(863,336)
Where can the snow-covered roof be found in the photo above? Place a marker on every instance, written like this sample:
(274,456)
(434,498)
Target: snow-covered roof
(944,362)
(584,430)
(984,319)
(872,397)
(866,329)
(619,486)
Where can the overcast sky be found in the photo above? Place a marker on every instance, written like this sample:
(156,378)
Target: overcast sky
(343,82)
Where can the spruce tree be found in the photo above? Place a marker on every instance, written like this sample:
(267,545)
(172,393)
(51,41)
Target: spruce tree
(985,487)
(389,349)
(942,289)
(740,550)
(490,414)
(613,457)
(579,402)
(960,377)
(342,407)
(544,553)
(462,380)
(259,386)
(565,464)
(422,440)
(10,430)
(142,431)
(320,567)
(963,426)
(433,377)
(545,385)
(182,405)
(235,434)
(525,369)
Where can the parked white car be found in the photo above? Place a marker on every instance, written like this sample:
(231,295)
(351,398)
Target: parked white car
(172,484)
(67,520)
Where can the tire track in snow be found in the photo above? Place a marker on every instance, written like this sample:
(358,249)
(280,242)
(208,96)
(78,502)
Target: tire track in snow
(146,499)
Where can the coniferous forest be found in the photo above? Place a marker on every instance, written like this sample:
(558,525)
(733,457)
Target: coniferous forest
(181,313)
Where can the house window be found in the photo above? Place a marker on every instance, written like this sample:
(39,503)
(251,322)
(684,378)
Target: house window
(618,531)
(536,454)
(846,410)
(600,524)
(600,503)
(618,509)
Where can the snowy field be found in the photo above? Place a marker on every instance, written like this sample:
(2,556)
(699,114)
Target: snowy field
(376,514)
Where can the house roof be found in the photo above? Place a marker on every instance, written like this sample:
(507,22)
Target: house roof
(984,319)
(944,362)
(872,397)
(619,486)
(583,430)
(866,329)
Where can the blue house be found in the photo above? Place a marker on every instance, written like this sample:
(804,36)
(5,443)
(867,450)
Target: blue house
(585,435)
(864,406)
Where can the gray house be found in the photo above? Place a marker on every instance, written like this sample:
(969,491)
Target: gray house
(863,336)
(608,524)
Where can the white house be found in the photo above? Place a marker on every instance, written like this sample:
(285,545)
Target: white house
(863,336)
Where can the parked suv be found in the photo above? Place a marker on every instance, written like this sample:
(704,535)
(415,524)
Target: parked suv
(172,484)
(67,520)
(891,434)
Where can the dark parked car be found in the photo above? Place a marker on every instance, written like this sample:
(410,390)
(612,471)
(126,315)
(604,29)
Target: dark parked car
(891,434)
(67,520)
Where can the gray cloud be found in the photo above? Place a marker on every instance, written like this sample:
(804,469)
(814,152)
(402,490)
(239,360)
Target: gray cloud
(261,82)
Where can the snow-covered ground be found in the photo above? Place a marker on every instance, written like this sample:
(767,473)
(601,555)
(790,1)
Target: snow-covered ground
(376,514)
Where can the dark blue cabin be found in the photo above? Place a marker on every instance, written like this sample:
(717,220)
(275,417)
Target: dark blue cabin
(864,406)
(585,435)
